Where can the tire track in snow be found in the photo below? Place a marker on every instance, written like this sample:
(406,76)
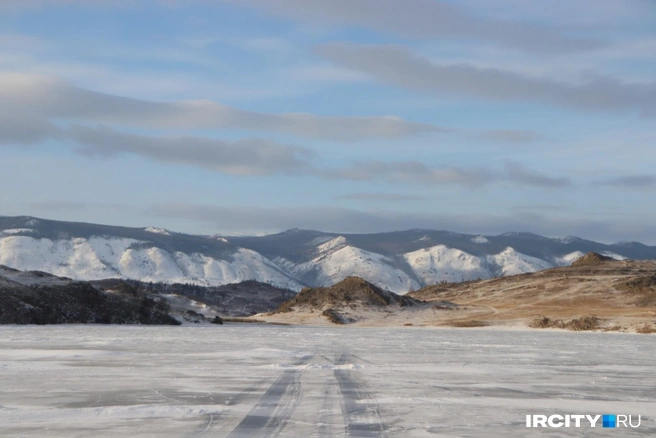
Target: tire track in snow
(325,428)
(361,414)
(271,413)
(211,417)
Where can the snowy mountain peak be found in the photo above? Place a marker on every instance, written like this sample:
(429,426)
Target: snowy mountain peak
(155,230)
(569,239)
(14,231)
(30,221)
(480,239)
(333,244)
(511,262)
(397,261)
(523,235)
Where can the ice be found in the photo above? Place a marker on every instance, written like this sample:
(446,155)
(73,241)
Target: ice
(264,380)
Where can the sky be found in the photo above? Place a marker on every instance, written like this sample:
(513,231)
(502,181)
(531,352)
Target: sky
(256,116)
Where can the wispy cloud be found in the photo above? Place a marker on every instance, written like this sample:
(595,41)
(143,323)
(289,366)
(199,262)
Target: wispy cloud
(509,136)
(401,67)
(520,174)
(54,99)
(427,19)
(415,172)
(323,74)
(24,130)
(383,197)
(631,181)
(63,205)
(255,156)
(242,157)
(412,172)
(58,205)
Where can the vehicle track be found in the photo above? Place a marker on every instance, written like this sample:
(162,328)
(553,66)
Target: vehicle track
(272,412)
(361,414)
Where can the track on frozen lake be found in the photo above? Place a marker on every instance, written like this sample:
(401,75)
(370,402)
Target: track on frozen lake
(268,381)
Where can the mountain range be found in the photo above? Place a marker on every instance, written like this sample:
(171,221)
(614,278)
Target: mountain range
(396,261)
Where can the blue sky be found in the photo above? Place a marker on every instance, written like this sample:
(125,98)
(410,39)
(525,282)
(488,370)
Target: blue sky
(254,116)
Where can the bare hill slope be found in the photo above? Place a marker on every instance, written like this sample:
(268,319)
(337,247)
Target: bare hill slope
(620,293)
(593,294)
(351,300)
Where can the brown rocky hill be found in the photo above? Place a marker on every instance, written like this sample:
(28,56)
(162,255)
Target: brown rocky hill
(592,258)
(346,301)
(593,294)
(621,294)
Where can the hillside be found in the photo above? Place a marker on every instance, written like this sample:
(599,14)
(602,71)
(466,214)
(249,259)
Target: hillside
(351,300)
(236,299)
(595,293)
(40,298)
(621,293)
(34,297)
(396,261)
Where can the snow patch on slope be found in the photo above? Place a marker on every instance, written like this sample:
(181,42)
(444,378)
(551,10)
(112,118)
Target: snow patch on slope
(155,230)
(13,231)
(320,240)
(101,257)
(335,263)
(568,259)
(480,239)
(78,258)
(511,262)
(440,263)
(181,302)
(332,245)
(568,239)
(613,255)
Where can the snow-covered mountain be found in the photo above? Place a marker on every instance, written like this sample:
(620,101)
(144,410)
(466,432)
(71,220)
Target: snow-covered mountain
(398,261)
(94,252)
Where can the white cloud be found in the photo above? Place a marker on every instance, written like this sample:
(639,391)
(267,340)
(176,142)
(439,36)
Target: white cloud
(401,67)
(53,99)
(631,181)
(242,157)
(427,19)
(412,172)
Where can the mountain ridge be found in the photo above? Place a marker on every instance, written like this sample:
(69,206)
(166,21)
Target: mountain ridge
(399,261)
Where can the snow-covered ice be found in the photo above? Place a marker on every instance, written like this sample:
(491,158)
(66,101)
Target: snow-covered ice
(263,380)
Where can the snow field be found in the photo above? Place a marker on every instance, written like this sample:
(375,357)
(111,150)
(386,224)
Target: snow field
(245,380)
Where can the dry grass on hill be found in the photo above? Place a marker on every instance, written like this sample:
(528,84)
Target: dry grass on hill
(593,294)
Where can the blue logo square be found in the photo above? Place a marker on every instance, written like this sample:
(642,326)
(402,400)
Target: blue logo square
(609,420)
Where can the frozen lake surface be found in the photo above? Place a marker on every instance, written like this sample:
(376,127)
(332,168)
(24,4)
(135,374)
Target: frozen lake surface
(257,380)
